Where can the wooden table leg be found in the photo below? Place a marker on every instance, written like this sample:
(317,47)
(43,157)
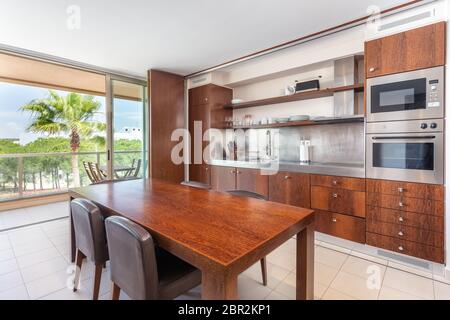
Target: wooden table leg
(217,286)
(305,264)
(73,248)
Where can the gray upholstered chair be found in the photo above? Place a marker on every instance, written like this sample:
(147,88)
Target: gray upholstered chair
(249,194)
(141,269)
(90,239)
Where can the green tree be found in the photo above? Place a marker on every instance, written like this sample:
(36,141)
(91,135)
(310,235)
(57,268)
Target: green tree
(71,114)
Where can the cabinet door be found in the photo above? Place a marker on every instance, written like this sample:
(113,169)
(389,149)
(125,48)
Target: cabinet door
(290,188)
(223,178)
(339,200)
(340,225)
(252,180)
(199,95)
(410,50)
(200,173)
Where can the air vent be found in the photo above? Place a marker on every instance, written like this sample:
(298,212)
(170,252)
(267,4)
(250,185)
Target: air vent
(400,22)
(404,259)
(199,80)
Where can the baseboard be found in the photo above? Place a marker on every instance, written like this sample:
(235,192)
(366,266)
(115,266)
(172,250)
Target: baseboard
(32,202)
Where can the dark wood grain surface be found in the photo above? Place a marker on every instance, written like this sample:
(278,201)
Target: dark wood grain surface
(290,188)
(220,234)
(415,49)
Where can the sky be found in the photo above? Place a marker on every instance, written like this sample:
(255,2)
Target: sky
(13,122)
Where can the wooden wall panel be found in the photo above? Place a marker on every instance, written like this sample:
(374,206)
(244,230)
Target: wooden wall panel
(166,96)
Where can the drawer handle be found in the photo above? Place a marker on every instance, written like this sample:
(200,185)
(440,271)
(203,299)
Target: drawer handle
(335,182)
(232,171)
(401,204)
(206,168)
(400,234)
(335,195)
(401,190)
(400,219)
(238,172)
(400,248)
(334,220)
(371,69)
(287,177)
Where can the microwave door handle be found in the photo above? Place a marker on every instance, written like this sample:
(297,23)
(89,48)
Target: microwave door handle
(405,137)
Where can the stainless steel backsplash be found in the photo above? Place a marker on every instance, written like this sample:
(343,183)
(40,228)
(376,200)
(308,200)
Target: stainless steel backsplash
(338,143)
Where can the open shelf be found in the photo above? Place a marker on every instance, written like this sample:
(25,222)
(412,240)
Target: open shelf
(302,123)
(295,97)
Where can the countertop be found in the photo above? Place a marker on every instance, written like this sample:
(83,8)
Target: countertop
(354,170)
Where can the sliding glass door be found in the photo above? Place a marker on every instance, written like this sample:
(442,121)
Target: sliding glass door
(127,127)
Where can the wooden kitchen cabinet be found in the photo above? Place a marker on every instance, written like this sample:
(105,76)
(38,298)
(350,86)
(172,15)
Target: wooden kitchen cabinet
(253,181)
(290,188)
(406,51)
(341,225)
(223,179)
(206,109)
(406,217)
(339,200)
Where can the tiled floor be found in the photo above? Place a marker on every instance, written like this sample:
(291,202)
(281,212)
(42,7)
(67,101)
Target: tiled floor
(27,216)
(34,264)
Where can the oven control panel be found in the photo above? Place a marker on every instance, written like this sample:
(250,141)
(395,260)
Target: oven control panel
(431,125)
(433,94)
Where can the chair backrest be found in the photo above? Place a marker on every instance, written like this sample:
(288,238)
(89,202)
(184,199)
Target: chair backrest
(137,168)
(90,234)
(132,258)
(248,194)
(88,171)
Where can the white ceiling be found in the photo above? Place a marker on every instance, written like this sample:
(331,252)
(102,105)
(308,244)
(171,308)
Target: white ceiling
(181,36)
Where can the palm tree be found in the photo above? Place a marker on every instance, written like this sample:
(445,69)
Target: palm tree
(71,114)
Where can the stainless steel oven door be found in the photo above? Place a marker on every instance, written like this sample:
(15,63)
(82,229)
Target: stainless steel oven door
(413,157)
(406,96)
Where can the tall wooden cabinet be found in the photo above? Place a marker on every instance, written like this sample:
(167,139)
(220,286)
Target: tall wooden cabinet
(206,108)
(406,51)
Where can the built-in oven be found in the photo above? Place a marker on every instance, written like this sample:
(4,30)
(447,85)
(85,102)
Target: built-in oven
(406,151)
(406,96)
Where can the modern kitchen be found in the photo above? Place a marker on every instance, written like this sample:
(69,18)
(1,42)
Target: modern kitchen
(240,152)
(359,139)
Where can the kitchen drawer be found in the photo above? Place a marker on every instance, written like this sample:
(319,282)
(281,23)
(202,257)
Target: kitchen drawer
(404,218)
(290,188)
(338,200)
(355,184)
(406,247)
(435,239)
(400,203)
(406,189)
(342,226)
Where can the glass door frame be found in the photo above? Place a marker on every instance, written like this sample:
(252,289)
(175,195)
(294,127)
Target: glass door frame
(109,101)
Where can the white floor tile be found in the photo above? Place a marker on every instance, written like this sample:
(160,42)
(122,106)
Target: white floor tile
(388,293)
(335,247)
(10,280)
(363,268)
(46,285)
(32,247)
(409,283)
(249,289)
(105,284)
(288,287)
(275,274)
(332,294)
(330,257)
(420,272)
(37,257)
(8,266)
(283,258)
(43,269)
(441,291)
(60,240)
(324,274)
(6,254)
(354,286)
(4,242)
(17,293)
(68,294)
(276,296)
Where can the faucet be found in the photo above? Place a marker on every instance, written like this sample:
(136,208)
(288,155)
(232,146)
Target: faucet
(269,144)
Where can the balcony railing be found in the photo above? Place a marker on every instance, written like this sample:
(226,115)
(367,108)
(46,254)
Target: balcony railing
(35,174)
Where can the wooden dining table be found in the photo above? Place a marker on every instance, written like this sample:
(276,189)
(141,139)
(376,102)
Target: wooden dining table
(220,234)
